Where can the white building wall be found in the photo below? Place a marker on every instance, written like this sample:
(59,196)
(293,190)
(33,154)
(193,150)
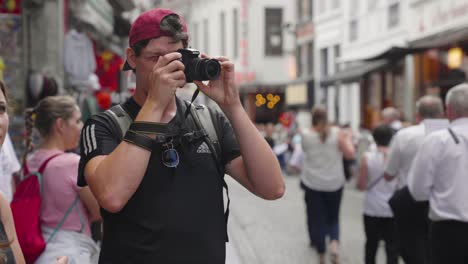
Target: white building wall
(268,69)
(374,36)
(328,20)
(429,17)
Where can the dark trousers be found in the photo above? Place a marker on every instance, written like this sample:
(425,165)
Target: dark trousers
(377,229)
(413,241)
(449,242)
(323,210)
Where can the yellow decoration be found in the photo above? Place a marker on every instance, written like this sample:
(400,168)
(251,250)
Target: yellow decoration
(454,58)
(10,5)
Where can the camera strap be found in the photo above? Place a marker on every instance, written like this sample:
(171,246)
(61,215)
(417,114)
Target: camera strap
(194,96)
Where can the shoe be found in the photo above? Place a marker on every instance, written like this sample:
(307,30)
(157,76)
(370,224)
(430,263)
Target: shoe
(334,258)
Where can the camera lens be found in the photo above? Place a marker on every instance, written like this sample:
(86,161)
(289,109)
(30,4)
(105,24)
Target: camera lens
(212,69)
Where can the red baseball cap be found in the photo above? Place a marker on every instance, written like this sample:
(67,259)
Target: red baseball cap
(147,26)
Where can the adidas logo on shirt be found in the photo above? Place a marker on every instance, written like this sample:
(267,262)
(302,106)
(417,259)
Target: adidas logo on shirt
(203,148)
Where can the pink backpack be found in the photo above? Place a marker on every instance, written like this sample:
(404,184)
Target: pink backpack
(26,206)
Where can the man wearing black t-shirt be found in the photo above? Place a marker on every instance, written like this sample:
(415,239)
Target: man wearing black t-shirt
(162,201)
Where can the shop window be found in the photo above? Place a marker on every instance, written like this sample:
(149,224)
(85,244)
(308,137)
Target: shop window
(196,36)
(235,29)
(335,4)
(310,58)
(324,62)
(354,8)
(337,53)
(394,15)
(321,6)
(206,37)
(372,5)
(222,33)
(273,32)
(298,61)
(353,30)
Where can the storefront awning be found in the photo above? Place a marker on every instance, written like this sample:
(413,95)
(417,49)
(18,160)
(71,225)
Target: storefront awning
(96,13)
(354,73)
(395,53)
(442,39)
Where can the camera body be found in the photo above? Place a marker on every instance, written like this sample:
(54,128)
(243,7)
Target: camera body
(198,69)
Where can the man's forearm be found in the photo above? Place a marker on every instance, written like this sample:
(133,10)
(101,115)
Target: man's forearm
(261,164)
(116,177)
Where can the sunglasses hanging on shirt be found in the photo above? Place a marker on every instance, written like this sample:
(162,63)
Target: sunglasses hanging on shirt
(170,156)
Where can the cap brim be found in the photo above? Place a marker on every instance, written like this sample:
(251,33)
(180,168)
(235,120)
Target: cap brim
(126,67)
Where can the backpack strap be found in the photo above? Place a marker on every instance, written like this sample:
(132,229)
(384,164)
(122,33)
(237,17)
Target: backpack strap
(454,136)
(203,119)
(39,174)
(120,117)
(64,218)
(41,170)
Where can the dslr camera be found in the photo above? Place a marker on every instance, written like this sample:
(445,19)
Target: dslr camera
(197,69)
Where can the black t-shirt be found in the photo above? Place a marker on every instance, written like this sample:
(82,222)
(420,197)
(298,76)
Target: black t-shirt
(177,214)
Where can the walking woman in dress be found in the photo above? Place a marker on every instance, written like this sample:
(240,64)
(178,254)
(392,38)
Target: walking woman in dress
(323,179)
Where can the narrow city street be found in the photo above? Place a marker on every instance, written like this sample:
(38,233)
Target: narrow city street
(275,231)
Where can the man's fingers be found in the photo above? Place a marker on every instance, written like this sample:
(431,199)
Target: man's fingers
(201,85)
(166,59)
(173,66)
(221,59)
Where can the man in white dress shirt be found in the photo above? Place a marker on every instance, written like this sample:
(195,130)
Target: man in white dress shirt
(439,173)
(412,237)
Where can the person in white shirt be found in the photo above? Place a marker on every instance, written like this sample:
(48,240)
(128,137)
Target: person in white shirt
(378,217)
(439,174)
(413,239)
(391,117)
(9,164)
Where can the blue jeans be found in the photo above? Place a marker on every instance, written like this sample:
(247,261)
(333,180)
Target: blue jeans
(323,209)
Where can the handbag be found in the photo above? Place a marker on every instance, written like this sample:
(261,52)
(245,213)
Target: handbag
(407,209)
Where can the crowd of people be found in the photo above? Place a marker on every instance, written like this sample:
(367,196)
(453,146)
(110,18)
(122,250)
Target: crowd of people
(413,177)
(153,171)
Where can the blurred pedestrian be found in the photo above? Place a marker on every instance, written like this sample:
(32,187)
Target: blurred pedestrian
(378,217)
(391,116)
(58,120)
(10,251)
(269,130)
(9,165)
(412,232)
(323,180)
(439,174)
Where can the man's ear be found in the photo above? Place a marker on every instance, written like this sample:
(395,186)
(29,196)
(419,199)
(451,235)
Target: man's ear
(131,57)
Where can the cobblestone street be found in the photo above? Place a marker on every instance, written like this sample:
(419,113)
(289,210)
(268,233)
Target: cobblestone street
(275,232)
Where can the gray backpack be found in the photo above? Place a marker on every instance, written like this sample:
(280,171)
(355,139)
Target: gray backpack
(203,120)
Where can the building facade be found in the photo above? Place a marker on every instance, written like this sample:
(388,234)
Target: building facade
(252,34)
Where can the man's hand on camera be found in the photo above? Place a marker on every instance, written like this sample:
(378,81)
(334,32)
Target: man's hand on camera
(222,91)
(166,76)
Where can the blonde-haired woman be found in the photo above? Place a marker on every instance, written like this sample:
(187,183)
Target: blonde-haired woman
(323,179)
(58,121)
